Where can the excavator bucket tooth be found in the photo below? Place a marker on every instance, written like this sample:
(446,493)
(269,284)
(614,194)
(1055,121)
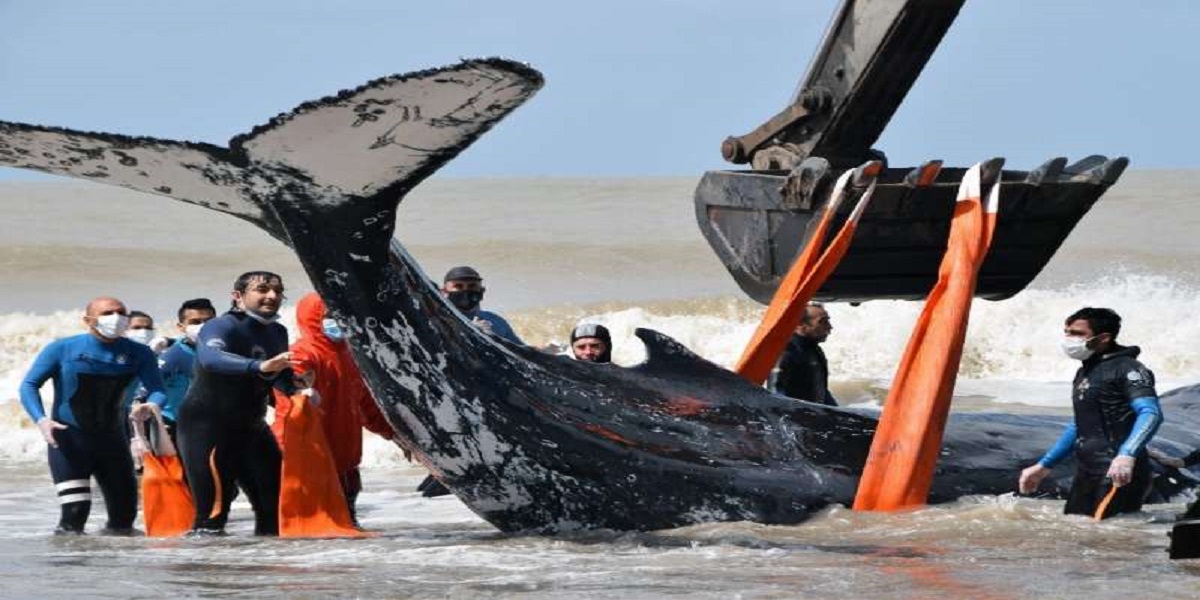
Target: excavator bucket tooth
(756,221)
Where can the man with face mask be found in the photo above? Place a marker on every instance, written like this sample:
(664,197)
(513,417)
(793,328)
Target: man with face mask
(1116,414)
(803,370)
(463,287)
(223,437)
(346,406)
(85,429)
(141,328)
(177,363)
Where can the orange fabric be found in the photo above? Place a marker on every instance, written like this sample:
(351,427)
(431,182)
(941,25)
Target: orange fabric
(905,448)
(311,502)
(167,507)
(806,276)
(346,405)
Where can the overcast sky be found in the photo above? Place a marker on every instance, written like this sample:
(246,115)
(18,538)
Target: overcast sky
(633,87)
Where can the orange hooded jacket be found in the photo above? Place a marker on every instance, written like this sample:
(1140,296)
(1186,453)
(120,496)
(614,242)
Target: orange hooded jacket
(346,406)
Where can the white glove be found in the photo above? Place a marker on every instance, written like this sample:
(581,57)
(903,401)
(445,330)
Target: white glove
(314,398)
(484,326)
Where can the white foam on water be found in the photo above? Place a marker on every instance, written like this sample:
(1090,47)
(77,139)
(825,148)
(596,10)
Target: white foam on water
(1011,354)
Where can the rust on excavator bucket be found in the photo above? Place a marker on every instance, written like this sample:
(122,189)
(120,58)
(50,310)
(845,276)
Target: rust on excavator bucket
(756,221)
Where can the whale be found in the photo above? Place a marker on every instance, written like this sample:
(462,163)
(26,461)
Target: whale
(529,441)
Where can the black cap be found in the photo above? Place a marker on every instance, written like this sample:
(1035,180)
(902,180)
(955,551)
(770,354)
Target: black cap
(462,273)
(584,330)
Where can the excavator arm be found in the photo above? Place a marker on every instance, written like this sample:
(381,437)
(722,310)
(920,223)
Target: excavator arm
(872,53)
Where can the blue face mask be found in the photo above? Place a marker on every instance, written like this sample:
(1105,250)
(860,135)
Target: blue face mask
(332,330)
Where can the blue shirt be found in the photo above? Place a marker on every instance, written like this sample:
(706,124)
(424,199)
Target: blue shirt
(90,379)
(500,327)
(175,365)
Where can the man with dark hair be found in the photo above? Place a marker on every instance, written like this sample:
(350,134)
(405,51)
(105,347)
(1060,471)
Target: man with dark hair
(803,370)
(178,362)
(85,429)
(141,328)
(591,342)
(1116,414)
(463,286)
(223,436)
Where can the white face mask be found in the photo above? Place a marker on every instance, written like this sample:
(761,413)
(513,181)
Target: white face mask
(141,336)
(192,331)
(112,326)
(1076,347)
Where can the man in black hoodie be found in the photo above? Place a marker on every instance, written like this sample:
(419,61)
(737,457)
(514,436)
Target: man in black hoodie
(803,370)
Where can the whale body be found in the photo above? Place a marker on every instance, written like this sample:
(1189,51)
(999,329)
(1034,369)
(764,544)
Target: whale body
(529,441)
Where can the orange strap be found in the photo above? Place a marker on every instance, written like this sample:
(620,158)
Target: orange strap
(1104,503)
(167,505)
(311,500)
(904,451)
(167,508)
(805,277)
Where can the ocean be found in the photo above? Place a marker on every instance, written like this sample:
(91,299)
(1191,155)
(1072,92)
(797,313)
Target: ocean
(626,253)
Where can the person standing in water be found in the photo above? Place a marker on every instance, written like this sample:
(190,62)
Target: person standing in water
(591,342)
(803,370)
(1116,414)
(346,405)
(223,437)
(463,287)
(177,364)
(85,429)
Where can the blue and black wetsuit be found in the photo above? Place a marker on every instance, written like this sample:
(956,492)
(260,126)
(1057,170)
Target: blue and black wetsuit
(90,378)
(176,365)
(223,436)
(1116,414)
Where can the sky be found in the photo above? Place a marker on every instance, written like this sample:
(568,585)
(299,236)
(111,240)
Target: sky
(633,87)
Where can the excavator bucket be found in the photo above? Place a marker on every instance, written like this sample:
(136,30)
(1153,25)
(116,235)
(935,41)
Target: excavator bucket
(872,53)
(757,221)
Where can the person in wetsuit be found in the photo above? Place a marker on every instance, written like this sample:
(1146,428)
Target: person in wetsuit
(463,287)
(591,342)
(803,371)
(85,429)
(1116,414)
(223,437)
(177,363)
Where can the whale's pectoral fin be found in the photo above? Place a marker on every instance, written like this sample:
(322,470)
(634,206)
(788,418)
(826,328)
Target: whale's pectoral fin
(391,133)
(200,174)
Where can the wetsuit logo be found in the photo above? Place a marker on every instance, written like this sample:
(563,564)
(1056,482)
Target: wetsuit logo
(258,352)
(1141,375)
(122,359)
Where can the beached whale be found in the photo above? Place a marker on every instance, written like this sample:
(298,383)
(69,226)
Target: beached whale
(529,441)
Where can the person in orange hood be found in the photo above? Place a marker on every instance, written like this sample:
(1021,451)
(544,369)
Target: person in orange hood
(346,406)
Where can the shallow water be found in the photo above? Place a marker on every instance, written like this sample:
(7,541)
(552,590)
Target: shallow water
(979,547)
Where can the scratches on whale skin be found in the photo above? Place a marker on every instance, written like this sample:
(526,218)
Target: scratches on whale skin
(607,434)
(685,406)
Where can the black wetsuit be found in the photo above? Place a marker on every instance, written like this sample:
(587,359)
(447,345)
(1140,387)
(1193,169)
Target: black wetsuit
(1105,389)
(90,381)
(223,436)
(804,372)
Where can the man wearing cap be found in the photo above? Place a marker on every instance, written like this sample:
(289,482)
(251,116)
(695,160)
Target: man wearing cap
(463,287)
(592,343)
